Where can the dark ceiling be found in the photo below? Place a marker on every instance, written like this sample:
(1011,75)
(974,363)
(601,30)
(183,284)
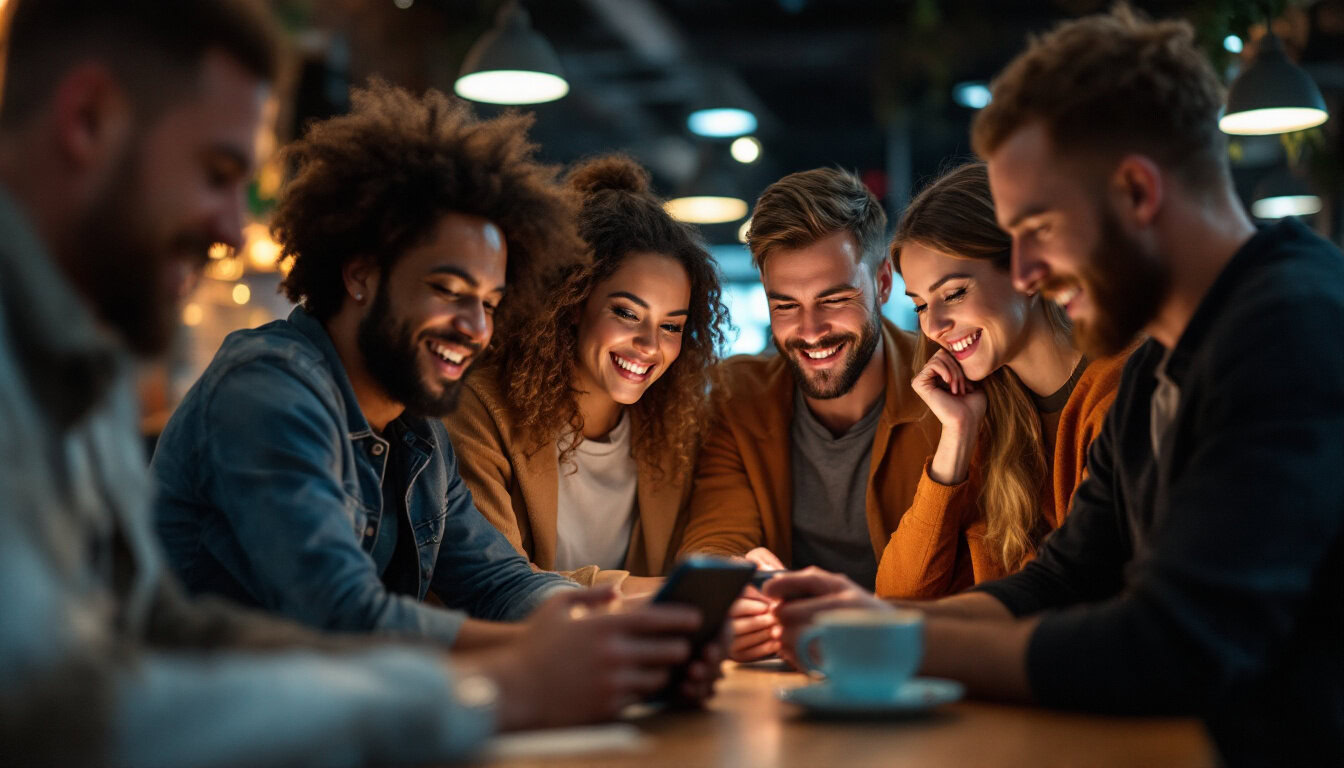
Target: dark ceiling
(864,84)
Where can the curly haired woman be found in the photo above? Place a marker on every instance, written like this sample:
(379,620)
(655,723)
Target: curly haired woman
(577,440)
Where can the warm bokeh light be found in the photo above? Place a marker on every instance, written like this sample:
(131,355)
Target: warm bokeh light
(746,149)
(262,251)
(218,250)
(241,294)
(706,209)
(193,313)
(226,269)
(742,231)
(511,86)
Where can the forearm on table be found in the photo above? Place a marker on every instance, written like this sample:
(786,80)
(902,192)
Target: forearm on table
(977,606)
(989,657)
(477,634)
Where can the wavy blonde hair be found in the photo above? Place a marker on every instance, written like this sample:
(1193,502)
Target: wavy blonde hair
(955,215)
(538,349)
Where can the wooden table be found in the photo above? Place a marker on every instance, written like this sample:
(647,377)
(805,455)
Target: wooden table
(746,726)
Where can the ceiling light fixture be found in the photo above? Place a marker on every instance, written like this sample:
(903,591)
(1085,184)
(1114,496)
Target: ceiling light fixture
(1272,95)
(711,197)
(511,64)
(1282,193)
(721,122)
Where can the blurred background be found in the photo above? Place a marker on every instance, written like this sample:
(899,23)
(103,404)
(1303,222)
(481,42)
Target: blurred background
(717,98)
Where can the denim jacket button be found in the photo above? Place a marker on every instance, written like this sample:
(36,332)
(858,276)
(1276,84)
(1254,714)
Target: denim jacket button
(376,449)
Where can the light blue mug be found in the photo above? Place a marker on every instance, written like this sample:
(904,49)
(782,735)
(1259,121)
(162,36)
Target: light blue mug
(865,653)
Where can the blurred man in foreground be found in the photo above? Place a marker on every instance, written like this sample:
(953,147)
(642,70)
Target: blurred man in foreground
(126,135)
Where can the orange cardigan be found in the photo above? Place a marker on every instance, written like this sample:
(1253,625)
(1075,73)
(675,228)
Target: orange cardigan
(743,493)
(939,547)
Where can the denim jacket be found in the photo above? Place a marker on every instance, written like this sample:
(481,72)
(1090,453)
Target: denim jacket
(102,661)
(270,493)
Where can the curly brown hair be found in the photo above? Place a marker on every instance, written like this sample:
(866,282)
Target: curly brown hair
(1114,82)
(373,183)
(538,354)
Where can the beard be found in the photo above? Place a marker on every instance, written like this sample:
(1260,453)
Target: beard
(125,271)
(392,354)
(825,385)
(1126,282)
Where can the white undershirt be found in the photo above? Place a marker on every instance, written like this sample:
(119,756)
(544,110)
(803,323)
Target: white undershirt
(596,502)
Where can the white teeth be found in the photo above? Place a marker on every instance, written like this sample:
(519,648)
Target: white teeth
(965,342)
(1067,295)
(638,370)
(447,354)
(822,354)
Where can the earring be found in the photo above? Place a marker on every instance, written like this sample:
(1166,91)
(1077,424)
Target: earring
(359,297)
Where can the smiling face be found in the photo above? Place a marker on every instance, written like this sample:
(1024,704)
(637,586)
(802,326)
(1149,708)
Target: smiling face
(824,312)
(178,190)
(1069,246)
(630,328)
(434,312)
(966,306)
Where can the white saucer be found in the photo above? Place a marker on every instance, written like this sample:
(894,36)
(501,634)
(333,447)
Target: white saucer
(919,695)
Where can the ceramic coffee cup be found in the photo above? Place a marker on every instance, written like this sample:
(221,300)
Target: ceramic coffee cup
(864,653)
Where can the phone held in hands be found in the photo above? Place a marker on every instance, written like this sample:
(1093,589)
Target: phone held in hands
(709,584)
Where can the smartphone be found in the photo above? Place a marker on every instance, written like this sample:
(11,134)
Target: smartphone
(709,584)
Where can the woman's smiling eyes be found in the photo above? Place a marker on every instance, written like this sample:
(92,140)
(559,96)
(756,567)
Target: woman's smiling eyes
(955,294)
(629,315)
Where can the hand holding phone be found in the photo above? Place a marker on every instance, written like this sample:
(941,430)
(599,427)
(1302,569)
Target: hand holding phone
(710,585)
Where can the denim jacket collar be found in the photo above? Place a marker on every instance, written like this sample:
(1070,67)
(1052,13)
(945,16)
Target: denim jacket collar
(418,434)
(70,359)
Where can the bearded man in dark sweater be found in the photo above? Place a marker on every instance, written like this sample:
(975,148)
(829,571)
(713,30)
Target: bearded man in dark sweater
(1201,568)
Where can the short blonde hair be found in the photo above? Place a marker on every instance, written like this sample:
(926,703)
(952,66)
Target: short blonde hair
(804,207)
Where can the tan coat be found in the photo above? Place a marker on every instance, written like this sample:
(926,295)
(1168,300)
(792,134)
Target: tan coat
(743,495)
(515,485)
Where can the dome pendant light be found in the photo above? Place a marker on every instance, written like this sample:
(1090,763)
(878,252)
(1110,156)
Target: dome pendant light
(1273,95)
(511,64)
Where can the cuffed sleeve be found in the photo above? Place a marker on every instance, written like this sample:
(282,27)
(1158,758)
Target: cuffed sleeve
(921,560)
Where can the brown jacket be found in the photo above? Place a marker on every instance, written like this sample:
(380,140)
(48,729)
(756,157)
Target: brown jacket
(743,495)
(515,485)
(940,549)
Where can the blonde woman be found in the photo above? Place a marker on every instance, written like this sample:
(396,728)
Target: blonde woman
(1018,405)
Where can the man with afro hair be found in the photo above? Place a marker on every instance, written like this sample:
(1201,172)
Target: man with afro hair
(307,472)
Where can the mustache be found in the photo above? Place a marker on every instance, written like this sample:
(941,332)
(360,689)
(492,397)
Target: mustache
(454,337)
(825,342)
(1058,284)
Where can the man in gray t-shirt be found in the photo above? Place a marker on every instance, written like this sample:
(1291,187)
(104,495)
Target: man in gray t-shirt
(830,486)
(816,452)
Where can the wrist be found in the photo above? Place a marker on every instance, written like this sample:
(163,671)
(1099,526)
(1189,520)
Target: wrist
(952,460)
(513,705)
